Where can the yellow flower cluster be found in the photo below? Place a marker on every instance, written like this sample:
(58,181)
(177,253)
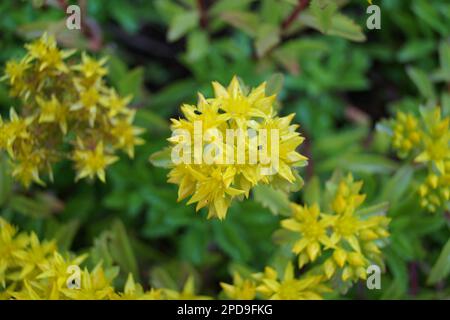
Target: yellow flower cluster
(232,173)
(406,133)
(435,191)
(34,270)
(64,104)
(270,285)
(351,238)
(427,139)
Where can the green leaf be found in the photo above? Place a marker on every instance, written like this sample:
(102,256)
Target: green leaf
(65,233)
(341,26)
(444,58)
(345,27)
(368,163)
(126,16)
(422,82)
(162,159)
(362,163)
(246,21)
(312,191)
(117,70)
(441,268)
(376,209)
(428,13)
(276,201)
(197,45)
(396,187)
(161,278)
(181,24)
(168,98)
(229,237)
(5,180)
(121,249)
(131,83)
(414,50)
(29,207)
(445,103)
(268,37)
(323,11)
(151,120)
(397,267)
(100,250)
(274,84)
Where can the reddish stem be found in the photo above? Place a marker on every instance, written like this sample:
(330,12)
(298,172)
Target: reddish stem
(302,4)
(413,279)
(203,14)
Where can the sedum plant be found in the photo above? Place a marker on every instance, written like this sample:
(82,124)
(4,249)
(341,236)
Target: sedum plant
(67,112)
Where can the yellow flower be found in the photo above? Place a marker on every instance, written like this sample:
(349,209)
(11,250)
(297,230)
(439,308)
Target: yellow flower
(240,107)
(91,163)
(26,170)
(54,273)
(134,291)
(241,289)
(435,191)
(127,135)
(187,293)
(430,139)
(53,111)
(15,70)
(91,68)
(348,241)
(312,227)
(15,129)
(273,287)
(115,104)
(353,237)
(89,100)
(436,140)
(347,197)
(49,56)
(34,255)
(407,133)
(288,141)
(95,285)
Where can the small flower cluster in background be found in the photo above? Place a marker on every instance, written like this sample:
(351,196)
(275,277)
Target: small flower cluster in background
(215,185)
(67,112)
(425,139)
(31,269)
(341,243)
